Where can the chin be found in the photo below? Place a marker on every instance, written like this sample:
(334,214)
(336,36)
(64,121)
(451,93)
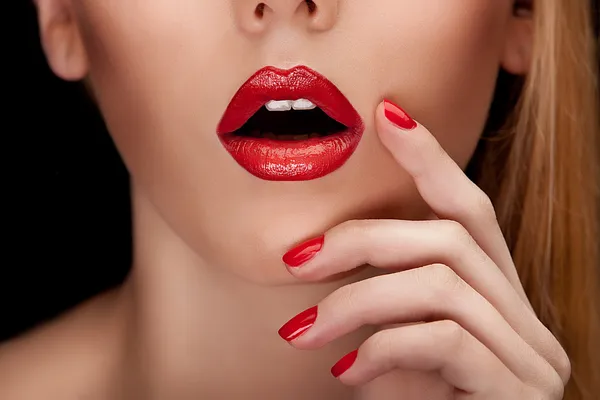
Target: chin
(252,249)
(257,254)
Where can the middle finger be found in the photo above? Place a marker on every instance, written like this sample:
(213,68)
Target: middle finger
(401,245)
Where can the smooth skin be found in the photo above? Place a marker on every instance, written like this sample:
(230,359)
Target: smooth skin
(454,272)
(199,313)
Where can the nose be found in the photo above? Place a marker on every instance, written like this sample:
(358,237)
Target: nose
(253,16)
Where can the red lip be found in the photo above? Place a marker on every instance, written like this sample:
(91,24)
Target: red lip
(279,160)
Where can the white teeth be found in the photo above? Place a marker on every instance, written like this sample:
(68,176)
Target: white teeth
(279,105)
(303,104)
(287,105)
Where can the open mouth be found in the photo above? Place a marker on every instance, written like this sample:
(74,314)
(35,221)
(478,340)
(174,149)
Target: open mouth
(290,120)
(290,125)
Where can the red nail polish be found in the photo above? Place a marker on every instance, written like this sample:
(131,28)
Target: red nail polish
(344,364)
(398,116)
(303,253)
(299,324)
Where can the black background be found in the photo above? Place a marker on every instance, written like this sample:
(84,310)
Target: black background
(67,230)
(68,203)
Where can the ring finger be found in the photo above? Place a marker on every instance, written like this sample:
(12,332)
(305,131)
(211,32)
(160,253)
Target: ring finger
(424,294)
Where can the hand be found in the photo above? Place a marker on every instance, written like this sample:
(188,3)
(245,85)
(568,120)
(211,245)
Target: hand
(456,273)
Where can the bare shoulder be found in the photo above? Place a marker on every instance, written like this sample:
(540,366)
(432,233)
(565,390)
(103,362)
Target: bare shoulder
(70,358)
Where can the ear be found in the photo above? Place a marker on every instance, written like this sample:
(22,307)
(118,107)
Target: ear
(61,39)
(518,48)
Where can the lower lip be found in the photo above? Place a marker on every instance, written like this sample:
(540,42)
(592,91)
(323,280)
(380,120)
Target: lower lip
(286,160)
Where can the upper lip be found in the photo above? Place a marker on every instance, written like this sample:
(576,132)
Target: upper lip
(301,82)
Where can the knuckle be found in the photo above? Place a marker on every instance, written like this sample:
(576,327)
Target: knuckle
(450,333)
(458,244)
(444,280)
(379,347)
(483,207)
(347,296)
(558,393)
(549,385)
(456,232)
(536,393)
(563,366)
(556,388)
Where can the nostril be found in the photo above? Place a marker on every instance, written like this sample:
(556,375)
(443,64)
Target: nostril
(263,8)
(260,10)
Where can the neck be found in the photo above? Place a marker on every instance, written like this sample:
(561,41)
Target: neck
(196,329)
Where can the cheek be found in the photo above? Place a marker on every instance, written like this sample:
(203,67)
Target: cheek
(164,74)
(149,63)
(441,64)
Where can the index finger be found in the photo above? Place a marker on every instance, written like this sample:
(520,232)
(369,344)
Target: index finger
(443,184)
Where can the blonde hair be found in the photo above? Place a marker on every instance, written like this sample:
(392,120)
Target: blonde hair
(541,171)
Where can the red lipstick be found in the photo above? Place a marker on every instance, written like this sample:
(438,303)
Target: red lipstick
(290,160)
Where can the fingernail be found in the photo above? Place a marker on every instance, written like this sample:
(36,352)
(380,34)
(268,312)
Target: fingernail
(299,324)
(398,116)
(344,364)
(303,253)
